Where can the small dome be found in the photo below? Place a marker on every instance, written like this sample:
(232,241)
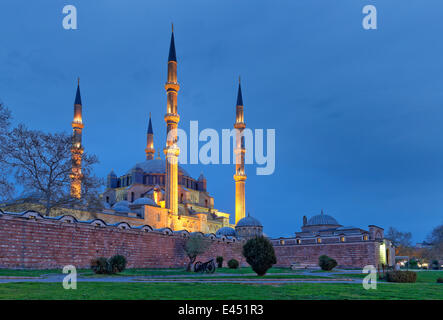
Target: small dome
(143,200)
(123,202)
(322,219)
(121,206)
(225,231)
(248,222)
(106,205)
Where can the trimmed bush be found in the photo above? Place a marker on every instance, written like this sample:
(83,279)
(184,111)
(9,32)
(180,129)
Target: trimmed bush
(219,260)
(117,263)
(112,265)
(100,265)
(401,276)
(260,255)
(233,264)
(440,280)
(326,263)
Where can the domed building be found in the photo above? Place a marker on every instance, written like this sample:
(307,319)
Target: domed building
(322,234)
(248,227)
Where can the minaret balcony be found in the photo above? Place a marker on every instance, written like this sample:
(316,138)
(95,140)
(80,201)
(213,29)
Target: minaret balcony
(239,125)
(172,86)
(172,117)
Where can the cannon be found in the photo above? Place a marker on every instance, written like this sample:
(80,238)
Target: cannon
(208,267)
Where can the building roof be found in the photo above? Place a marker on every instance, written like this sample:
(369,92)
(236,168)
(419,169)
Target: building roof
(239,96)
(226,231)
(249,222)
(78,99)
(157,166)
(322,219)
(143,201)
(150,131)
(172,56)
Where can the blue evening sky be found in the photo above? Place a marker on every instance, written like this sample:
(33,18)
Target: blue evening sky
(358,114)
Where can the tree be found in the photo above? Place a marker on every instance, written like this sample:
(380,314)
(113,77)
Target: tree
(435,238)
(194,246)
(260,255)
(41,163)
(6,187)
(402,240)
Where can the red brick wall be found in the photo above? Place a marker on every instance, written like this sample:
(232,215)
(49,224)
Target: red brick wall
(46,243)
(357,254)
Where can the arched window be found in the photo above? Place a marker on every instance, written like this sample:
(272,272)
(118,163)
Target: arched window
(318,240)
(342,239)
(298,241)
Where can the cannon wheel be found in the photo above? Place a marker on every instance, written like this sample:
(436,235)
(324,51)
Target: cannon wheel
(210,268)
(197,266)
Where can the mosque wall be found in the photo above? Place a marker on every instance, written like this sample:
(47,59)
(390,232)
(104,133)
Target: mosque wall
(44,243)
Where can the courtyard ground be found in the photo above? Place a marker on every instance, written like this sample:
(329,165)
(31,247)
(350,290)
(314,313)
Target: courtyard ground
(242,283)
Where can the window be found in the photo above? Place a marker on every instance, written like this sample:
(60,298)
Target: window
(132,196)
(318,240)
(365,237)
(107,199)
(282,242)
(298,241)
(342,239)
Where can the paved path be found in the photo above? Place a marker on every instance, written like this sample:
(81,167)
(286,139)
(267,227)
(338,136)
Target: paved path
(198,278)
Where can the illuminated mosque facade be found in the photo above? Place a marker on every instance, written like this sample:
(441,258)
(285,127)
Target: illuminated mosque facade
(159,192)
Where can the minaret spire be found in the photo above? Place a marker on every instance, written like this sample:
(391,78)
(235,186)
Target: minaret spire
(77,148)
(240,175)
(172,118)
(150,150)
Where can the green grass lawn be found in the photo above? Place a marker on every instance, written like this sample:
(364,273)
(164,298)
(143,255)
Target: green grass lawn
(139,272)
(189,291)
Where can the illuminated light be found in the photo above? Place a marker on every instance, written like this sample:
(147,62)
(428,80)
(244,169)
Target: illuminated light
(342,239)
(318,240)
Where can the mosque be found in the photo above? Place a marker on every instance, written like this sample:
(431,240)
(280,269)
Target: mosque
(159,192)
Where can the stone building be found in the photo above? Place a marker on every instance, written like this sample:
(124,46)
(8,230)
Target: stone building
(323,235)
(246,228)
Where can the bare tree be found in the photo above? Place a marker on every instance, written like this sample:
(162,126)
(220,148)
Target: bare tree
(194,246)
(402,241)
(435,238)
(41,163)
(6,186)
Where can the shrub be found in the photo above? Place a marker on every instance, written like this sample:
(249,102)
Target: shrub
(100,265)
(401,276)
(233,264)
(440,280)
(260,255)
(412,264)
(434,265)
(117,263)
(219,260)
(326,263)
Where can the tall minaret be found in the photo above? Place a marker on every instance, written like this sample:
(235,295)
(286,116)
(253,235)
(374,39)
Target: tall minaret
(172,118)
(77,148)
(239,176)
(150,151)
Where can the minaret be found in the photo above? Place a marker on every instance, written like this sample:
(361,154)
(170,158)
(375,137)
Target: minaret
(150,151)
(239,176)
(172,118)
(77,148)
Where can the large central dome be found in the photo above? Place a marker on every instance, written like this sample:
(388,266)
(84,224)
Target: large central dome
(157,166)
(322,219)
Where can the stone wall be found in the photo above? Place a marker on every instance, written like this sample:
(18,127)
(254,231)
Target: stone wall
(356,254)
(30,241)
